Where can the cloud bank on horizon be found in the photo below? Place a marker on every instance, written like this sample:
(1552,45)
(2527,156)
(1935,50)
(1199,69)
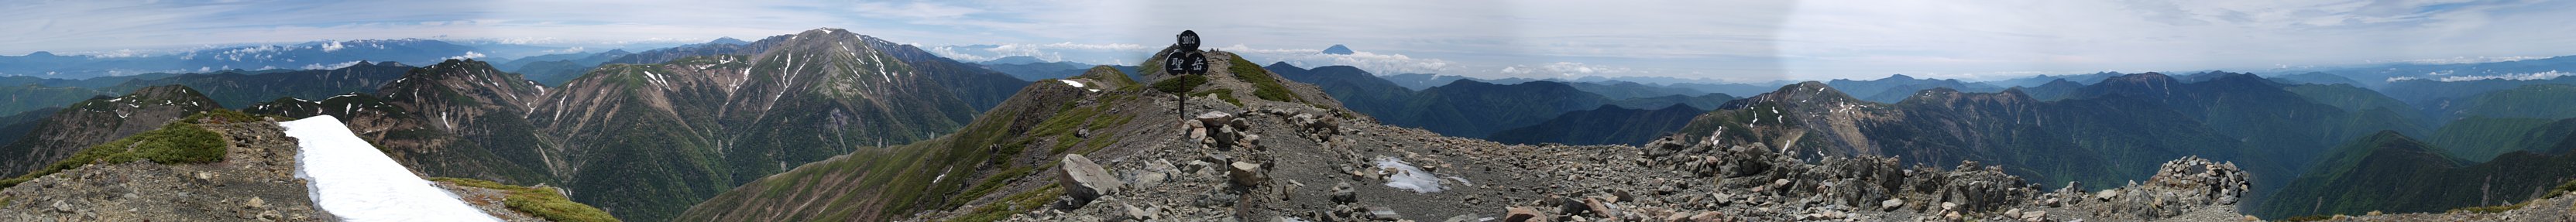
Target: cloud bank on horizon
(1727,40)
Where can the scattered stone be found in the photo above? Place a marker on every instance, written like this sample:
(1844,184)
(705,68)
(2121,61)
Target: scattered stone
(59,206)
(1600,208)
(1344,193)
(1461,218)
(1137,213)
(1383,213)
(1711,216)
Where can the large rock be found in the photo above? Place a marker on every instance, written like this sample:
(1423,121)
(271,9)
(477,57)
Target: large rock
(1084,180)
(1246,174)
(1523,214)
(2180,185)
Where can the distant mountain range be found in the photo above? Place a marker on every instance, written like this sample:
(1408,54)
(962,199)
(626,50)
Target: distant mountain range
(1469,108)
(310,55)
(1608,124)
(1898,87)
(656,134)
(721,116)
(555,69)
(1030,68)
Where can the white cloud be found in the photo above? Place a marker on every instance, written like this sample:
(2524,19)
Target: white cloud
(1061,51)
(2551,74)
(1564,69)
(1371,61)
(1374,62)
(468,55)
(923,10)
(315,66)
(1854,38)
(575,49)
(328,46)
(2467,59)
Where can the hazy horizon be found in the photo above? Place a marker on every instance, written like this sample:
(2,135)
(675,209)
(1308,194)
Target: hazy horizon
(1740,41)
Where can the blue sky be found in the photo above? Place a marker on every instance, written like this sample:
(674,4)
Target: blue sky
(1730,40)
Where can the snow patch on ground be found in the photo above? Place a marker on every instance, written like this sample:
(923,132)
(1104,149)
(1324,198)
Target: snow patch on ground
(1404,176)
(355,182)
(1075,84)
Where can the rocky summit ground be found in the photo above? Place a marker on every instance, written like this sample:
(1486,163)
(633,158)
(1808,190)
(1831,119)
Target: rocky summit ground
(1265,160)
(254,182)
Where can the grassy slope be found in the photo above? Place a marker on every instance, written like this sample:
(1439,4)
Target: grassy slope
(177,142)
(888,182)
(2392,173)
(540,202)
(2481,138)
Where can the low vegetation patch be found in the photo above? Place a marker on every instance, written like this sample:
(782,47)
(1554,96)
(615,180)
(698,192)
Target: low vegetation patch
(544,203)
(1263,85)
(1013,205)
(993,182)
(2561,190)
(221,116)
(1180,84)
(1223,94)
(174,143)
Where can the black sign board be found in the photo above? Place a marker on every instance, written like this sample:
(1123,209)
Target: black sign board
(1187,60)
(1188,40)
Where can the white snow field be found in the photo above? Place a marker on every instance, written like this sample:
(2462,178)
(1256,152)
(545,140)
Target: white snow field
(1401,175)
(355,182)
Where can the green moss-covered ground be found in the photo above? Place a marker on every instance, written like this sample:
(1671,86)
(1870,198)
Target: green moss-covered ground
(544,203)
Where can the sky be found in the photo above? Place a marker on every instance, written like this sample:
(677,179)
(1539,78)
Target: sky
(1722,40)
